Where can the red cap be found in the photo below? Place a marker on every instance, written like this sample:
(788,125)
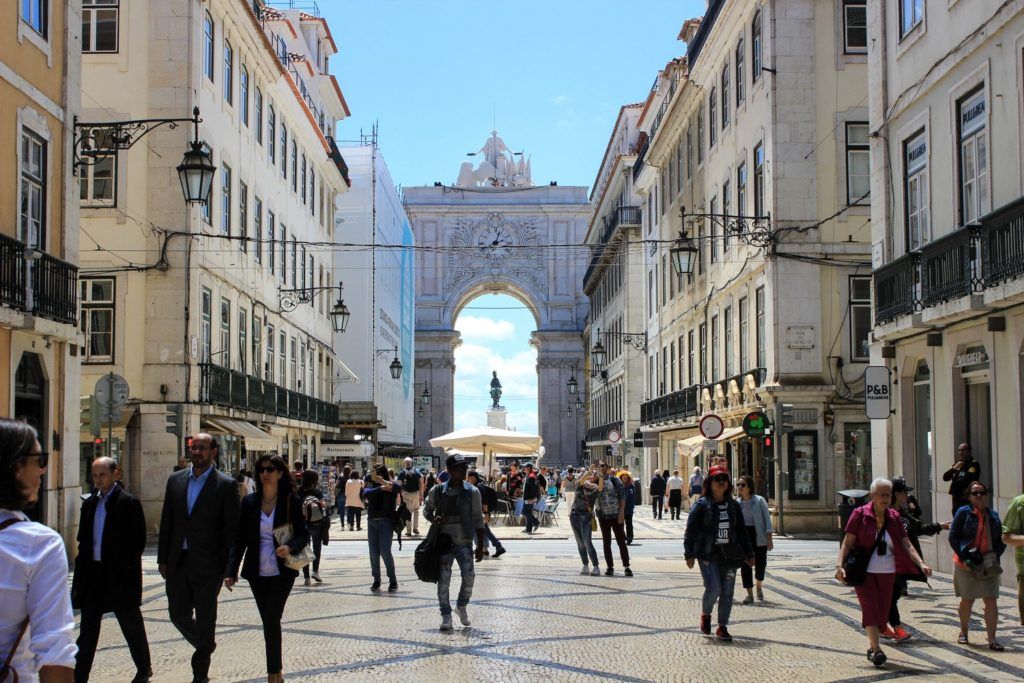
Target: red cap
(717,469)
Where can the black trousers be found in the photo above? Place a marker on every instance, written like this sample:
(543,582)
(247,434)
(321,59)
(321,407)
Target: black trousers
(316,536)
(132,628)
(611,525)
(271,594)
(747,572)
(192,605)
(657,505)
(675,503)
(629,526)
(894,607)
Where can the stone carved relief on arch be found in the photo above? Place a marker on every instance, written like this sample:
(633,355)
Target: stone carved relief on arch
(503,251)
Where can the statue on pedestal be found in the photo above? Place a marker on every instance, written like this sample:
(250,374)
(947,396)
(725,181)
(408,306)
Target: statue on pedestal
(495,389)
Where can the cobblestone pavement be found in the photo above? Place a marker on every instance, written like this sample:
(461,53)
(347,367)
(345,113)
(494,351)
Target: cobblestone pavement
(535,618)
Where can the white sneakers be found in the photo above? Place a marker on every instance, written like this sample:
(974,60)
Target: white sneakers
(463,615)
(596,571)
(585,570)
(316,577)
(446,622)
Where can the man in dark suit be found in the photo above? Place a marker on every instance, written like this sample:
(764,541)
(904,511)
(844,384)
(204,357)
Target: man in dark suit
(108,569)
(197,526)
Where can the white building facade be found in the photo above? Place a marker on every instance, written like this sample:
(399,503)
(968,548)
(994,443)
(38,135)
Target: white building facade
(379,278)
(758,152)
(216,315)
(947,217)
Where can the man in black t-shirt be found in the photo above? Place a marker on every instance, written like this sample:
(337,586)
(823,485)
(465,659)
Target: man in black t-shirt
(412,493)
(489,502)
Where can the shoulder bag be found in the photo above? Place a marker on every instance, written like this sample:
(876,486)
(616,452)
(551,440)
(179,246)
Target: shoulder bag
(283,535)
(857,560)
(6,669)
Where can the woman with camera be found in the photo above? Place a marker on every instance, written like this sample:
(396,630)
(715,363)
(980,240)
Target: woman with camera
(381,502)
(875,549)
(976,538)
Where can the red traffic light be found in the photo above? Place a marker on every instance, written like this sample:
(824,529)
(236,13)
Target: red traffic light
(768,443)
(98,440)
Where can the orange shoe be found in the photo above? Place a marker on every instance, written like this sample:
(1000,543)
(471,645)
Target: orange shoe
(901,634)
(887,632)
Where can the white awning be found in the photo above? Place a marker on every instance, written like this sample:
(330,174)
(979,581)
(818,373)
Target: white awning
(731,433)
(255,438)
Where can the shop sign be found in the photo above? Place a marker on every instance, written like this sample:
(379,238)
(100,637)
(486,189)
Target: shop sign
(711,426)
(877,392)
(974,358)
(755,424)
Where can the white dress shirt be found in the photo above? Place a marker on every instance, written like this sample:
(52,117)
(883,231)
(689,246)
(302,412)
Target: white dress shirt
(34,583)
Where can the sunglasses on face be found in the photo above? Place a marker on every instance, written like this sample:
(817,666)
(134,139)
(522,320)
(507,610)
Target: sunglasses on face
(720,479)
(266,470)
(741,486)
(42,456)
(979,493)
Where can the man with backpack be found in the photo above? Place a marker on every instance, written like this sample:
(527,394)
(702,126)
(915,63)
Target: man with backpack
(412,493)
(457,507)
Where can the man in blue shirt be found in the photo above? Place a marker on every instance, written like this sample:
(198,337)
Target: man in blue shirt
(108,569)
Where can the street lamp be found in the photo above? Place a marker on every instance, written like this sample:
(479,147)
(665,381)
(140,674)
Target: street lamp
(579,403)
(598,352)
(572,385)
(682,254)
(339,313)
(396,365)
(195,172)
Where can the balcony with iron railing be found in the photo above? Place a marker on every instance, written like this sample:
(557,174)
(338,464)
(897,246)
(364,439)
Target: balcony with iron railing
(600,433)
(685,403)
(965,262)
(620,216)
(235,389)
(37,283)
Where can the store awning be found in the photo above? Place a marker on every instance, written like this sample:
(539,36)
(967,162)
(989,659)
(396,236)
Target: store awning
(731,433)
(255,438)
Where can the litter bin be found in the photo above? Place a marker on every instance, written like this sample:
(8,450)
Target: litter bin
(848,501)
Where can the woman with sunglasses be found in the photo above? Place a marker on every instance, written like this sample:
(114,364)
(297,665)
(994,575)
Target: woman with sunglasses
(272,505)
(715,536)
(875,528)
(975,535)
(382,499)
(758,523)
(37,626)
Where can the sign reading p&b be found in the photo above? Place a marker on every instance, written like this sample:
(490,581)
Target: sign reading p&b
(877,392)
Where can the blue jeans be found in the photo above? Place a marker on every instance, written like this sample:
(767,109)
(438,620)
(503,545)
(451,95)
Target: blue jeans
(719,584)
(464,555)
(379,533)
(532,522)
(580,523)
(489,538)
(355,516)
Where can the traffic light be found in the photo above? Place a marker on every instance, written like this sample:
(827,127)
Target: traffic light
(90,409)
(174,420)
(638,439)
(783,417)
(768,441)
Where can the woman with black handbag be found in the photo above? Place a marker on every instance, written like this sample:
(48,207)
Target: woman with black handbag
(717,538)
(976,538)
(381,501)
(266,565)
(874,550)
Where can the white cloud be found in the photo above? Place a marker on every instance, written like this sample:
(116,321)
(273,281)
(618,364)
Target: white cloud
(559,100)
(484,329)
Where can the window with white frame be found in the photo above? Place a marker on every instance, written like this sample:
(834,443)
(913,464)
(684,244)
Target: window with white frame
(915,184)
(740,80)
(855,26)
(759,180)
(206,350)
(32,223)
(860,317)
(691,359)
(744,340)
(725,95)
(730,362)
(284,149)
(703,353)
(35,13)
(225,333)
(257,230)
(97,178)
(271,246)
(271,358)
(208,46)
(755,47)
(302,175)
(741,189)
(760,321)
(284,254)
(858,163)
(295,166)
(715,346)
(911,15)
(282,365)
(713,117)
(243,216)
(99,25)
(243,338)
(700,135)
(257,115)
(295,262)
(229,72)
(294,379)
(257,347)
(713,210)
(243,95)
(225,199)
(974,186)
(271,135)
(726,203)
(97,296)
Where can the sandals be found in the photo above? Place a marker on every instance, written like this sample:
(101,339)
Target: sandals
(997,647)
(962,639)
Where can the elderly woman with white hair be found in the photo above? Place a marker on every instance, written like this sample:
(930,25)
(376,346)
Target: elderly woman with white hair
(875,549)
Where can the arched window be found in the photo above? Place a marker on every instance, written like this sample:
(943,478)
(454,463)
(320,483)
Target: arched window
(229,66)
(208,45)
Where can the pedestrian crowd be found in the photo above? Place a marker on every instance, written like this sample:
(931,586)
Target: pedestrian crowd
(215,529)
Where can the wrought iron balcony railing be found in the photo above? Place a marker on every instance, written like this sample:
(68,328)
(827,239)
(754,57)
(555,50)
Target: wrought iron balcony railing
(37,283)
(947,267)
(896,288)
(1002,244)
(239,390)
(12,272)
(600,433)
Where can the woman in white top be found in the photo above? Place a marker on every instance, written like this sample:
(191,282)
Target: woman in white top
(354,502)
(36,623)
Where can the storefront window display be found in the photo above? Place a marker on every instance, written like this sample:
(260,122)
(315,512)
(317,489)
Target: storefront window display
(855,455)
(803,465)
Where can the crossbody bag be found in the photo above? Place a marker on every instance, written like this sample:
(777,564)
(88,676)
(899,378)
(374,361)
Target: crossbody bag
(6,669)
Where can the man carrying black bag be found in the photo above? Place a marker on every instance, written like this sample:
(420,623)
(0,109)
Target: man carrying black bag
(455,507)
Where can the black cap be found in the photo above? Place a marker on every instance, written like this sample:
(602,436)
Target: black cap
(456,460)
(530,465)
(899,485)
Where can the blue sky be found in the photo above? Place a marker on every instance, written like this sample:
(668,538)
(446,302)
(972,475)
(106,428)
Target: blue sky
(551,75)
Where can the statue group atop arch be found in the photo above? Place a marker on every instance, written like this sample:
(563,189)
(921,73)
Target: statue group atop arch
(499,167)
